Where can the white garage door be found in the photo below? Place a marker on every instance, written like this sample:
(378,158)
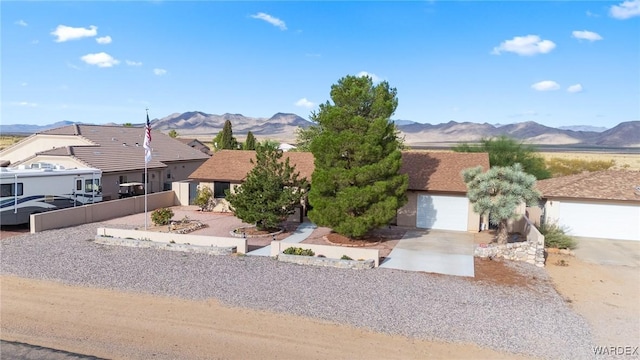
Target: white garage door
(605,221)
(442,212)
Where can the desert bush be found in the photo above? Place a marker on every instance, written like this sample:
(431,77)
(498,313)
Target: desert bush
(563,167)
(345,257)
(203,198)
(298,251)
(161,216)
(555,237)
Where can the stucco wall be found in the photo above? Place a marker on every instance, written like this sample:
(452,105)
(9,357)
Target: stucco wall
(407,213)
(100,211)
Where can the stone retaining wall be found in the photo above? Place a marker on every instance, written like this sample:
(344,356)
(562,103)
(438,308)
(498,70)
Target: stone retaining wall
(209,250)
(322,261)
(530,251)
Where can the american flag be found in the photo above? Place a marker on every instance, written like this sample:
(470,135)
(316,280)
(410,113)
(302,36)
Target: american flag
(147,141)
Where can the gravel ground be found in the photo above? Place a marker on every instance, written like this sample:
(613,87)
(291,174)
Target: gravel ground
(433,307)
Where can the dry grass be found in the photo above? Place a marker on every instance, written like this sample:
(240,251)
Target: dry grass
(622,161)
(6,141)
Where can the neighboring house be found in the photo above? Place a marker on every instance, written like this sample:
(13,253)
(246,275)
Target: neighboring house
(603,204)
(196,144)
(437,192)
(116,150)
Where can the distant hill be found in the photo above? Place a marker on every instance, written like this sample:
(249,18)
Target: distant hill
(283,126)
(583,128)
(280,126)
(24,129)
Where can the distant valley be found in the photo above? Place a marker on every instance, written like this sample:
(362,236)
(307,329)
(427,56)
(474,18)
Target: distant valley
(282,127)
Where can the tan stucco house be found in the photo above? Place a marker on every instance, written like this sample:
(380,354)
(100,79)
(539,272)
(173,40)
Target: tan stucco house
(116,150)
(437,192)
(602,204)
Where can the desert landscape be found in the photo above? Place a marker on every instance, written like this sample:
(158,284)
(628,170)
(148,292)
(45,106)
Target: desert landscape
(76,307)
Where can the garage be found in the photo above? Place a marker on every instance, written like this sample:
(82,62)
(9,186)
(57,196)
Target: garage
(608,221)
(443,212)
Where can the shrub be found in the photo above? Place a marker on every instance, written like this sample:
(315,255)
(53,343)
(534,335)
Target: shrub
(298,251)
(345,257)
(161,216)
(563,167)
(203,198)
(555,237)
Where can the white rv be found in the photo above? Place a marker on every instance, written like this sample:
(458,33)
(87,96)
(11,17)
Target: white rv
(44,187)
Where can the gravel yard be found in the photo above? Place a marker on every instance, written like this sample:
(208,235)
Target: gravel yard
(523,320)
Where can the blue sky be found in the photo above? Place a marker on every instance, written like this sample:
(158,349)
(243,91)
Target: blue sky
(557,63)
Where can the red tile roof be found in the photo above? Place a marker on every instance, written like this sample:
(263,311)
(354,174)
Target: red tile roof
(234,165)
(604,185)
(119,148)
(440,171)
(431,171)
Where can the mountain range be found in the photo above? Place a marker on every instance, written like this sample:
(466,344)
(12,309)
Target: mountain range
(283,126)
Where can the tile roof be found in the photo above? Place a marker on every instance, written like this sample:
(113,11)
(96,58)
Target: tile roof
(440,171)
(234,165)
(603,185)
(437,171)
(119,148)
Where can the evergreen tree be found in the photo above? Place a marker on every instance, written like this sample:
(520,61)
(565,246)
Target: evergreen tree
(271,192)
(250,142)
(224,140)
(505,151)
(357,186)
(498,192)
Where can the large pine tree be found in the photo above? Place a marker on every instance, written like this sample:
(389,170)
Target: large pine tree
(356,185)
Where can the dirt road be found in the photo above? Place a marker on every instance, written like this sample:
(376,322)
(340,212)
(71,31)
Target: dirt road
(119,325)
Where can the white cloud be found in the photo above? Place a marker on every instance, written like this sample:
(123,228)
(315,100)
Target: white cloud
(586,35)
(159,72)
(373,77)
(24,83)
(305,103)
(21,23)
(546,85)
(575,88)
(66,33)
(525,46)
(625,10)
(590,14)
(100,60)
(271,20)
(133,63)
(27,104)
(104,40)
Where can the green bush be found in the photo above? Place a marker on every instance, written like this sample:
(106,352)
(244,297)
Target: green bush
(203,198)
(563,167)
(345,257)
(298,251)
(161,216)
(555,237)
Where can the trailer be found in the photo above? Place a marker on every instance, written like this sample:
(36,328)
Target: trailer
(41,187)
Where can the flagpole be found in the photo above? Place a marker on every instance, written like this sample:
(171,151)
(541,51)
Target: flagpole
(146,176)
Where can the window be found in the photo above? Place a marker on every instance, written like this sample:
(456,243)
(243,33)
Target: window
(92,185)
(122,179)
(79,185)
(9,190)
(219,189)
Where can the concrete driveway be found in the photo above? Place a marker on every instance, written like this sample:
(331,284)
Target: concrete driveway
(434,251)
(608,252)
